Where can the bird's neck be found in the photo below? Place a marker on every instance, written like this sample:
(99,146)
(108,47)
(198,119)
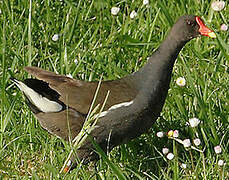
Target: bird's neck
(165,56)
(154,78)
(160,64)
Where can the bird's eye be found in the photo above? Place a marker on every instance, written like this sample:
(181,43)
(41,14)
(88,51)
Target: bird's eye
(190,23)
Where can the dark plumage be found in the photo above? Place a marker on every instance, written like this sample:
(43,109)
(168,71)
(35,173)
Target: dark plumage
(134,103)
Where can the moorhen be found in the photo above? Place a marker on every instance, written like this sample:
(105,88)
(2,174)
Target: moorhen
(61,104)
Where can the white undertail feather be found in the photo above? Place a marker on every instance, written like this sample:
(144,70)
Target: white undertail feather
(42,103)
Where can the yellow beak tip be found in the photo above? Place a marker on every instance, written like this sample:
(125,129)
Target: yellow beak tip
(212,35)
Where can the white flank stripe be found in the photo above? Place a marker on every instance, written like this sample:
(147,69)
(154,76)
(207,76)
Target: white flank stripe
(102,114)
(120,105)
(116,106)
(42,103)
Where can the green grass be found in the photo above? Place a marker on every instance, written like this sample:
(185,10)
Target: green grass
(114,46)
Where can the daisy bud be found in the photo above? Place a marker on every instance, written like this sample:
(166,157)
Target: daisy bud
(115,10)
(160,134)
(187,143)
(175,134)
(184,166)
(197,141)
(181,81)
(220,162)
(193,122)
(170,133)
(170,156)
(217,149)
(165,151)
(76,61)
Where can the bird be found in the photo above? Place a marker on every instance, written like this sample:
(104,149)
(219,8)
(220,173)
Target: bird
(61,104)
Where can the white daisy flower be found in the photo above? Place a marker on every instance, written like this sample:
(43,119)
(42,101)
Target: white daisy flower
(133,14)
(218,149)
(218,5)
(193,122)
(184,166)
(181,81)
(197,141)
(165,151)
(115,10)
(187,143)
(160,134)
(55,37)
(220,162)
(170,156)
(223,27)
(145,2)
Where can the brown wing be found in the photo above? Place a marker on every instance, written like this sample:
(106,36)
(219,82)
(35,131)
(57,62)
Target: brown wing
(63,123)
(79,94)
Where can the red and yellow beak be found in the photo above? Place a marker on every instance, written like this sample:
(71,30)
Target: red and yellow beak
(204,30)
(67,167)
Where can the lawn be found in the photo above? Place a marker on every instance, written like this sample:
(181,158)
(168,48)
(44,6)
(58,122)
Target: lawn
(84,40)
